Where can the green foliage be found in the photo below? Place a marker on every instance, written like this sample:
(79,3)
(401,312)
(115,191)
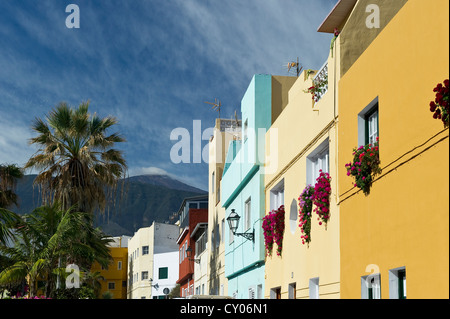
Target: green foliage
(50,236)
(365,166)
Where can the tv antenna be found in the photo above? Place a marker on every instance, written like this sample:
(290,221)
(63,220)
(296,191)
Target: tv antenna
(236,118)
(216,105)
(294,67)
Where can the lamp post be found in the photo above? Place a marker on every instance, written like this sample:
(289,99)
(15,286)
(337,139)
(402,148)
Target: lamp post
(156,286)
(233,223)
(189,252)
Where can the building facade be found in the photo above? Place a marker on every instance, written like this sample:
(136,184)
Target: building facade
(193,215)
(394,234)
(114,278)
(165,273)
(225,131)
(306,143)
(242,187)
(146,244)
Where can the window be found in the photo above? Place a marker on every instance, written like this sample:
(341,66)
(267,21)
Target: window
(259,291)
(144,275)
(370,287)
(247,216)
(251,293)
(314,288)
(222,237)
(212,182)
(277,195)
(316,161)
(397,283)
(163,273)
(275,293)
(371,126)
(144,250)
(200,244)
(111,285)
(292,292)
(216,236)
(368,123)
(119,265)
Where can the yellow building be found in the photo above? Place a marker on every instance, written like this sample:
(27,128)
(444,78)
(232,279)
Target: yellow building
(115,277)
(300,143)
(394,241)
(225,130)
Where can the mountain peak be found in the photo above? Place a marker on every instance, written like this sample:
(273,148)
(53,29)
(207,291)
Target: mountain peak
(165,181)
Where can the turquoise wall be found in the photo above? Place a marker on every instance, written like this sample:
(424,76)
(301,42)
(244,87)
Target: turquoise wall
(243,179)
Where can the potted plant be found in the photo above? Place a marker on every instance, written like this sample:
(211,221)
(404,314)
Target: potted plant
(440,106)
(318,88)
(365,166)
(321,200)
(273,229)
(306,202)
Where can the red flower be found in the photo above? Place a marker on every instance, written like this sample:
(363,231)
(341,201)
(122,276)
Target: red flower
(432,106)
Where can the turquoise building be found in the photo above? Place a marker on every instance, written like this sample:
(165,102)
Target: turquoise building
(242,185)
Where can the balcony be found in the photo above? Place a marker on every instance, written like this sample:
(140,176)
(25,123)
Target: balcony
(320,82)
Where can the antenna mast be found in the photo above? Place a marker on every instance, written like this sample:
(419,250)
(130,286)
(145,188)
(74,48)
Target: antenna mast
(295,66)
(216,105)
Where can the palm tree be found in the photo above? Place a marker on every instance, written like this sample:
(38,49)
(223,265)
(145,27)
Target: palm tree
(49,238)
(94,279)
(9,174)
(76,161)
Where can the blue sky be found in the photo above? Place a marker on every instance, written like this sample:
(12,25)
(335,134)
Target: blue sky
(150,63)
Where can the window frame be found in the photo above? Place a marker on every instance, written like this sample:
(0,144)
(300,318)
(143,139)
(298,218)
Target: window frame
(314,288)
(247,214)
(367,288)
(320,154)
(397,283)
(370,132)
(363,126)
(166,273)
(277,195)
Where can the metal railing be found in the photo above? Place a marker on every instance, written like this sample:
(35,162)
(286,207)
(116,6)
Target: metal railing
(321,80)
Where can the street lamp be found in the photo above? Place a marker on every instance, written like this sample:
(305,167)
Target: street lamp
(233,223)
(189,252)
(156,286)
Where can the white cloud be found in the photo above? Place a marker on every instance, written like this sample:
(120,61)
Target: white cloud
(135,171)
(14,136)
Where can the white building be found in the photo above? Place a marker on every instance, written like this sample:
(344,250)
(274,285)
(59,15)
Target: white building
(165,274)
(151,250)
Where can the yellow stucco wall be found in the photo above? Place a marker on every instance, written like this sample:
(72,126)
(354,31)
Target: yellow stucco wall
(217,283)
(405,219)
(301,129)
(113,274)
